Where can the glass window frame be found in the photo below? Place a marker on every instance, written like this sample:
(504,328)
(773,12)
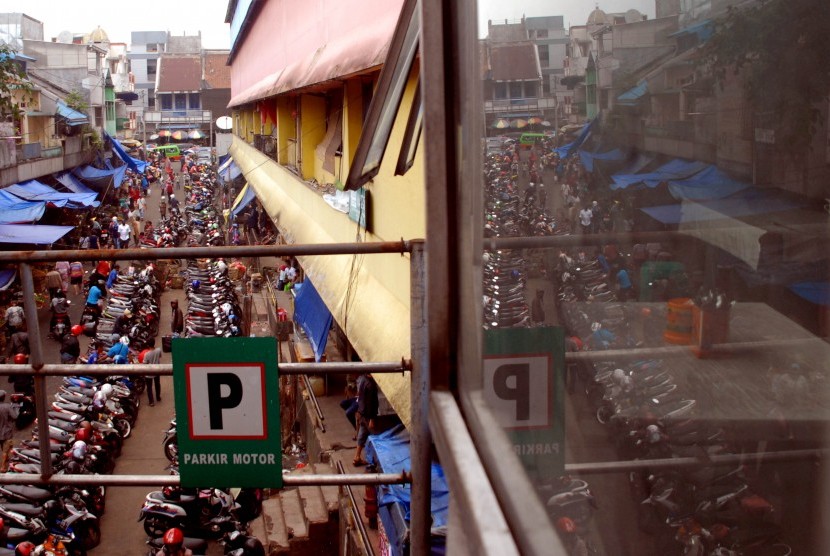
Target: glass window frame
(412,134)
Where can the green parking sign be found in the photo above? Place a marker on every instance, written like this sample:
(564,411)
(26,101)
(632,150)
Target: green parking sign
(227,412)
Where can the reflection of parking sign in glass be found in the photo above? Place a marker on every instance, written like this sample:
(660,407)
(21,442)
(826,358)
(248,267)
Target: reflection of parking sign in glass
(227,401)
(520,393)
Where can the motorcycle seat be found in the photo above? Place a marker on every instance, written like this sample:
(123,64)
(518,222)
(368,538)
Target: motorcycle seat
(23,508)
(30,492)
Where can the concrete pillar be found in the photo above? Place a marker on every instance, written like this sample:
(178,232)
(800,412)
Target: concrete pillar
(286,130)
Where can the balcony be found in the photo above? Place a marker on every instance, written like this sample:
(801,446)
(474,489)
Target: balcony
(191,117)
(519,105)
(29,161)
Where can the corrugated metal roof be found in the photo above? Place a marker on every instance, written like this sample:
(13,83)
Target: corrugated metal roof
(514,62)
(217,73)
(179,73)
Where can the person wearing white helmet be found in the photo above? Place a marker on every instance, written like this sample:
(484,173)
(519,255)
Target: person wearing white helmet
(119,352)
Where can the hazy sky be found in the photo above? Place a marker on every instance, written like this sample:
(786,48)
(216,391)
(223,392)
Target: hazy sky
(574,12)
(119,18)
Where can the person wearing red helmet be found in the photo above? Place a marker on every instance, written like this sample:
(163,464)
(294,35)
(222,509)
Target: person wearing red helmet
(8,415)
(174,544)
(70,348)
(26,548)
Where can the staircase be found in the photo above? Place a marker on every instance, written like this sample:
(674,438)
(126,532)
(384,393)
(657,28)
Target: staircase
(300,520)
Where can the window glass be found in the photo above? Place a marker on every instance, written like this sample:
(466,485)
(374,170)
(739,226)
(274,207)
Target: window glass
(166,101)
(181,101)
(654,288)
(193,100)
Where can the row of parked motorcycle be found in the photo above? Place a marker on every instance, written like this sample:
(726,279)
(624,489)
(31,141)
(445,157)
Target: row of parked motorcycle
(212,303)
(88,421)
(712,509)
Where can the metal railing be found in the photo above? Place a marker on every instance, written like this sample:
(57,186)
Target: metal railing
(39,370)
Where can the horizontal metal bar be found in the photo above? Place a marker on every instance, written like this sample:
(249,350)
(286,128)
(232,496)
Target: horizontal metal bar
(166,369)
(731,348)
(576,240)
(173,480)
(596,468)
(371,247)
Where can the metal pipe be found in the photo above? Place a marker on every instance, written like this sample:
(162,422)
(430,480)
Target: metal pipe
(314,403)
(166,369)
(419,434)
(296,250)
(361,528)
(333,479)
(576,240)
(36,362)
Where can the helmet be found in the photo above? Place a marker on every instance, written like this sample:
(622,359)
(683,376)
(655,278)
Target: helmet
(77,330)
(618,375)
(26,548)
(172,195)
(173,538)
(125,340)
(52,508)
(566,525)
(195,284)
(595,326)
(99,399)
(2,395)
(106,390)
(86,425)
(227,308)
(83,434)
(20,359)
(128,313)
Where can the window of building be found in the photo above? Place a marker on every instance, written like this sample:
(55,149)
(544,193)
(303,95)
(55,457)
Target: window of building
(180,101)
(151,69)
(531,89)
(152,47)
(166,101)
(545,87)
(412,135)
(333,140)
(516,89)
(541,33)
(194,101)
(500,90)
(544,55)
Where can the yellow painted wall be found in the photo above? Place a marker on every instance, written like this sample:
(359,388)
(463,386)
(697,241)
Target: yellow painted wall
(312,131)
(286,128)
(352,121)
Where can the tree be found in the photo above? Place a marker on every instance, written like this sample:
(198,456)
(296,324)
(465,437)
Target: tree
(779,48)
(12,80)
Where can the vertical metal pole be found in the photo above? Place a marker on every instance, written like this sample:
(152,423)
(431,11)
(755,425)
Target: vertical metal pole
(36,361)
(420,438)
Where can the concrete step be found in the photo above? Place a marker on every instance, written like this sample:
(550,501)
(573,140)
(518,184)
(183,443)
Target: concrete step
(331,493)
(294,514)
(276,537)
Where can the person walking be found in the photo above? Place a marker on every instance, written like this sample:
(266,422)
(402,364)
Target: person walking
(63,269)
(163,208)
(70,347)
(177,324)
(367,412)
(8,415)
(151,356)
(76,276)
(537,309)
(124,232)
(14,318)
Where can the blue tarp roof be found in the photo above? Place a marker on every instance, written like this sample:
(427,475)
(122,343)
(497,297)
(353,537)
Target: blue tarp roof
(33,190)
(7,277)
(13,209)
(231,172)
(709,183)
(312,315)
(703,29)
(748,202)
(583,136)
(135,164)
(72,117)
(243,199)
(32,234)
(675,170)
(72,183)
(814,292)
(634,94)
(390,450)
(588,158)
(92,173)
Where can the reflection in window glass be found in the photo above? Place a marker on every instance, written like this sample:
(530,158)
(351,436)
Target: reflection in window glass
(672,301)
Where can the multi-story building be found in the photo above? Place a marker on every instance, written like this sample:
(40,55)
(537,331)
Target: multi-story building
(143,55)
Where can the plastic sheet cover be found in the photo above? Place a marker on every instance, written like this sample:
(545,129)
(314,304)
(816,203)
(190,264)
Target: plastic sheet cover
(313,317)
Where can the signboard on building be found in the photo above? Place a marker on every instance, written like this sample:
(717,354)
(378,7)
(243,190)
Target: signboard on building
(524,371)
(227,412)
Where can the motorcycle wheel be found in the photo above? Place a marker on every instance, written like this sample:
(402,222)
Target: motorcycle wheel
(123,427)
(171,449)
(604,414)
(155,526)
(139,384)
(89,534)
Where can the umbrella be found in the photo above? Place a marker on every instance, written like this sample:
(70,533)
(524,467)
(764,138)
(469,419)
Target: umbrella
(518,124)
(165,133)
(178,135)
(154,136)
(501,123)
(534,120)
(546,123)
(195,134)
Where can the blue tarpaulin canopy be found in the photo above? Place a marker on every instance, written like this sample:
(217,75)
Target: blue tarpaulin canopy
(814,292)
(588,158)
(583,136)
(7,277)
(634,94)
(72,117)
(33,234)
(33,190)
(243,199)
(72,183)
(390,451)
(675,170)
(312,315)
(92,173)
(709,183)
(231,172)
(13,209)
(135,164)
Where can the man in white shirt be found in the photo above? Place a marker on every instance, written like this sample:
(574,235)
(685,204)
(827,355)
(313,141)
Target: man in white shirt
(585,217)
(124,232)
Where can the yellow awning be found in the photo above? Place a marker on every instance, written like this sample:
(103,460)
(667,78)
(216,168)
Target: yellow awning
(374,319)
